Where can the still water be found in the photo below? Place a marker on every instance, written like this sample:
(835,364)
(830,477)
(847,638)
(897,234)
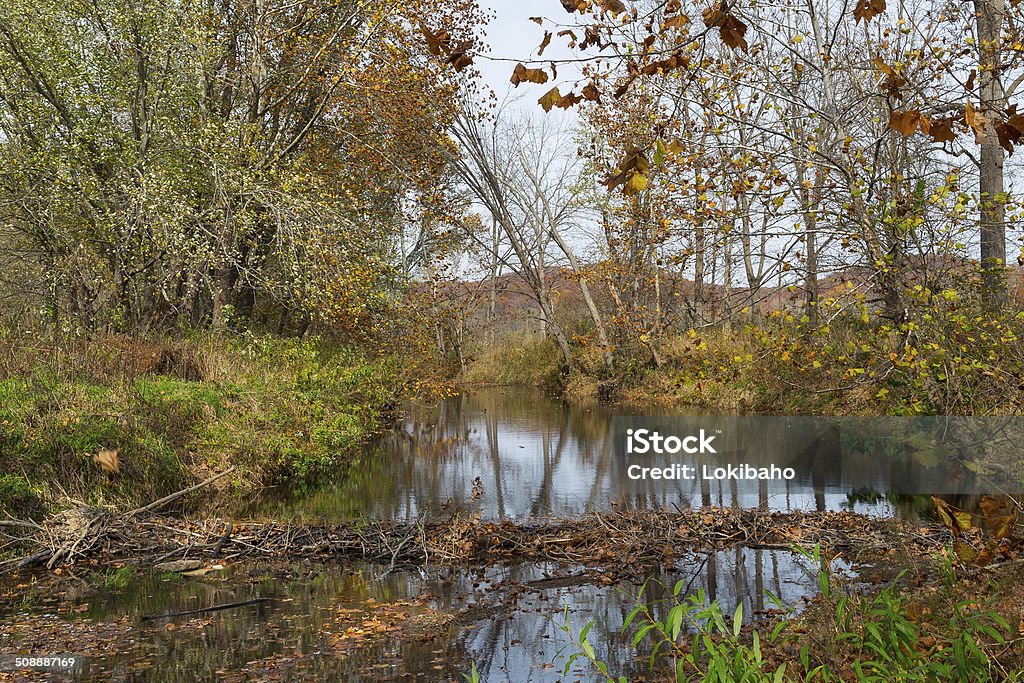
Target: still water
(515,453)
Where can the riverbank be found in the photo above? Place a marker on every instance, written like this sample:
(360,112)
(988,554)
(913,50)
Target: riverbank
(967,363)
(121,422)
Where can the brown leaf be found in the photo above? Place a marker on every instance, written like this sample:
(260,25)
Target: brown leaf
(730,28)
(677,22)
(906,122)
(521,73)
(957,521)
(999,517)
(732,31)
(537,20)
(570,34)
(976,120)
(107,459)
(544,43)
(665,65)
(550,98)
(969,86)
(613,7)
(965,552)
(460,57)
(868,9)
(941,130)
(631,172)
(569,100)
(591,92)
(624,88)
(1008,136)
(435,41)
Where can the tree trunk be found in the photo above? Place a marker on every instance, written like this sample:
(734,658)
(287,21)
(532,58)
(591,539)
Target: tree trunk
(990,15)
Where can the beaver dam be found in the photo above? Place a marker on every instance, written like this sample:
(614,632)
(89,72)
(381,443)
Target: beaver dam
(467,536)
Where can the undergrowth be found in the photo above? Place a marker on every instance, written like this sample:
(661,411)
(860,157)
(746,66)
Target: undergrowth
(178,411)
(879,637)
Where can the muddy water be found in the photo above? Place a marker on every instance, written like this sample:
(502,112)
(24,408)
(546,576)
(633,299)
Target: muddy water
(500,453)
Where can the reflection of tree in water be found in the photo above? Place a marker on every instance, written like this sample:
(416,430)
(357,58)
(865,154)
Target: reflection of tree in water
(527,639)
(536,455)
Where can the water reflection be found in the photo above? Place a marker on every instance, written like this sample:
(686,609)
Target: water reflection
(507,619)
(534,455)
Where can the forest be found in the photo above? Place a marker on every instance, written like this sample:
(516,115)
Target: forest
(258,257)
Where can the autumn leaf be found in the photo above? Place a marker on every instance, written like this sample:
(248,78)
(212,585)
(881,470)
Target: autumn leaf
(591,92)
(676,22)
(868,9)
(906,122)
(435,41)
(999,519)
(965,552)
(729,27)
(893,81)
(460,57)
(544,43)
(569,100)
(732,31)
(941,130)
(957,521)
(976,120)
(665,65)
(537,20)
(613,7)
(632,173)
(521,73)
(108,460)
(636,183)
(550,98)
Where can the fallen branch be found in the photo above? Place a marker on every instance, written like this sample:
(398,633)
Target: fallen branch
(157,504)
(204,610)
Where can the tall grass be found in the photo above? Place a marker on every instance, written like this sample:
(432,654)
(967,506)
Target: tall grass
(178,410)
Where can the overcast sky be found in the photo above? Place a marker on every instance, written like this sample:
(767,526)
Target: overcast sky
(512,38)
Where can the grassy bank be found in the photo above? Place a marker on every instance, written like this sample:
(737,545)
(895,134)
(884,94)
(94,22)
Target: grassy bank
(955,363)
(178,411)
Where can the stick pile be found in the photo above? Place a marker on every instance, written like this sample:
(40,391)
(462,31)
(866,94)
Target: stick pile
(620,541)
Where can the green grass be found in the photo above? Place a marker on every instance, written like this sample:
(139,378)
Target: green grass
(948,634)
(279,410)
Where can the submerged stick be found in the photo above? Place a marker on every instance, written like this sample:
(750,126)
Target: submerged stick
(175,496)
(214,608)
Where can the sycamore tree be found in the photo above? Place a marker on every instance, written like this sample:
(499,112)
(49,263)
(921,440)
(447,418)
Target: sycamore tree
(944,74)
